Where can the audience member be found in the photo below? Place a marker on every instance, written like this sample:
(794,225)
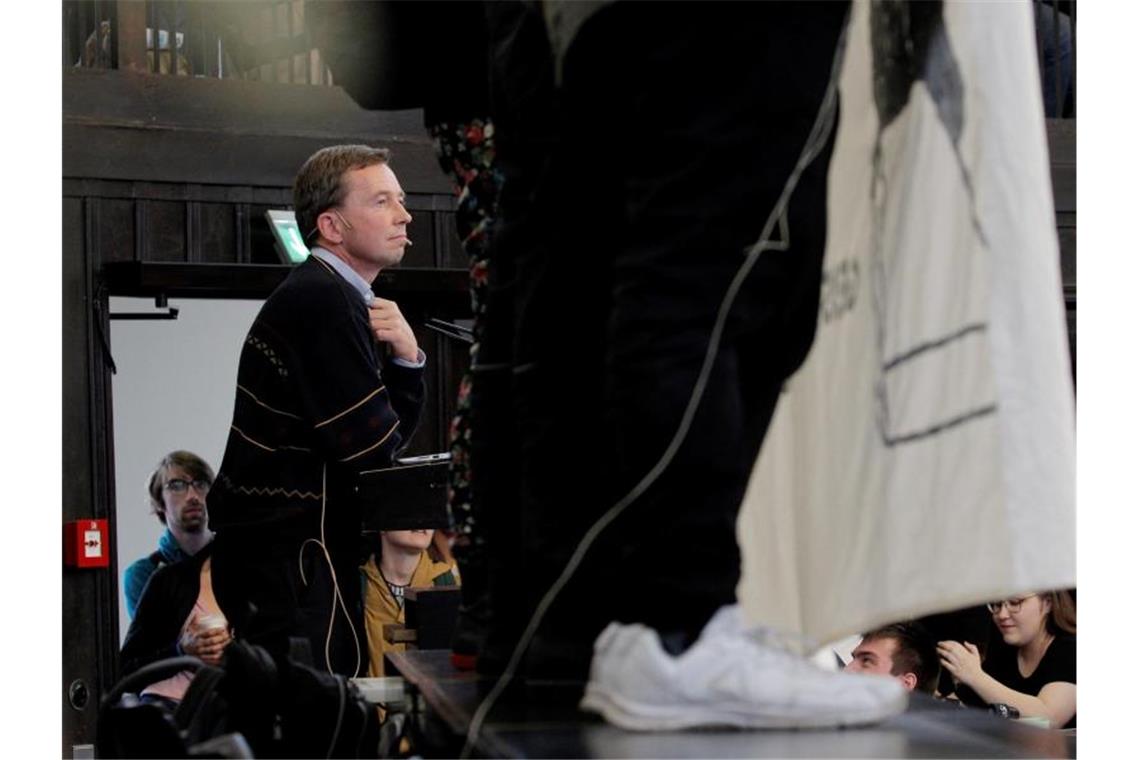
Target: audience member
(1037,672)
(404,559)
(177,614)
(902,650)
(178,488)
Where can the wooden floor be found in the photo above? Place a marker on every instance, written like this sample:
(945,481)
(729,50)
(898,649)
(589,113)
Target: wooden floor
(543,721)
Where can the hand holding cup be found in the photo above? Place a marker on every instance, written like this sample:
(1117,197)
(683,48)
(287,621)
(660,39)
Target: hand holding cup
(206,637)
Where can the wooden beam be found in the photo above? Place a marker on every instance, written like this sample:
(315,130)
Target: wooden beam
(131,36)
(443,291)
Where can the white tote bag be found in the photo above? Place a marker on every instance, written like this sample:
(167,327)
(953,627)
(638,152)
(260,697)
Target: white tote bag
(923,457)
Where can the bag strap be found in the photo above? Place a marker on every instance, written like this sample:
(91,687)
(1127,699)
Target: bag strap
(193,714)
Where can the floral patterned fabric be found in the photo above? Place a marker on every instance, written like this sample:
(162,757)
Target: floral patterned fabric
(466,152)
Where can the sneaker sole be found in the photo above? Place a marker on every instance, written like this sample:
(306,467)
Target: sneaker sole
(641,717)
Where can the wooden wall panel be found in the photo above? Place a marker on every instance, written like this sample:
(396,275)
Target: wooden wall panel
(164,231)
(114,227)
(217,232)
(421,230)
(449,251)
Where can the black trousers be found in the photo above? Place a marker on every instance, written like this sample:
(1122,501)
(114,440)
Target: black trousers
(273,585)
(633,189)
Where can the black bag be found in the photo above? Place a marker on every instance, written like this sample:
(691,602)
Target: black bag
(250,707)
(131,727)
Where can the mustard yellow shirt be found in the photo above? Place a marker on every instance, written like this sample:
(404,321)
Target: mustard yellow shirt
(381,607)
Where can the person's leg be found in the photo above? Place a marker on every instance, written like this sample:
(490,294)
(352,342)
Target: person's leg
(712,111)
(493,614)
(523,381)
(705,120)
(274,587)
(254,590)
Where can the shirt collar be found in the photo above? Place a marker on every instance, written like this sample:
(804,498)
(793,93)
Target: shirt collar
(358,283)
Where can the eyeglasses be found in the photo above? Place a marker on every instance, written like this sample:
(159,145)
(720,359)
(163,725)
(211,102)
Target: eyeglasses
(178,485)
(1013,604)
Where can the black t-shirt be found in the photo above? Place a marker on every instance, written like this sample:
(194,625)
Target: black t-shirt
(1058,664)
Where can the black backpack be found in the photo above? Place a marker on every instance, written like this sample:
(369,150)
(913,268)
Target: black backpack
(249,707)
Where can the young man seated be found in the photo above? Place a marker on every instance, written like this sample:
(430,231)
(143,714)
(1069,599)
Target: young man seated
(402,559)
(903,650)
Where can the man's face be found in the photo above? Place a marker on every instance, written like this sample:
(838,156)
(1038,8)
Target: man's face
(184,500)
(877,656)
(372,220)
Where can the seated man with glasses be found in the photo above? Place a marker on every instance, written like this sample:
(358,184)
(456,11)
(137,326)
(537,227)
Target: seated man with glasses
(1036,671)
(178,488)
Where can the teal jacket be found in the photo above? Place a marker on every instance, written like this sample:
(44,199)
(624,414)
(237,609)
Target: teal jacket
(136,576)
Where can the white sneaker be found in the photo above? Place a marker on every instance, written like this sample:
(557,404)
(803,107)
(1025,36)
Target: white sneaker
(728,677)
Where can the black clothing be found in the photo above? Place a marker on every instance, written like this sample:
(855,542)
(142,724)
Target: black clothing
(317,403)
(165,604)
(629,201)
(972,624)
(1059,663)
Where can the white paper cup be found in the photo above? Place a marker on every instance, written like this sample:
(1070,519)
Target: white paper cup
(212,622)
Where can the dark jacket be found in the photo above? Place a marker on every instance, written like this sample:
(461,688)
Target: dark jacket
(313,389)
(317,403)
(165,604)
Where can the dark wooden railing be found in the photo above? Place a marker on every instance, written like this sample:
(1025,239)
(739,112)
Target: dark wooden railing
(264,40)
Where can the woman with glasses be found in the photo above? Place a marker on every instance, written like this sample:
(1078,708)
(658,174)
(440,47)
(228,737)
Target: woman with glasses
(1037,672)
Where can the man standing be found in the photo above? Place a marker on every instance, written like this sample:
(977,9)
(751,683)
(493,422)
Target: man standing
(178,488)
(330,384)
(667,358)
(903,650)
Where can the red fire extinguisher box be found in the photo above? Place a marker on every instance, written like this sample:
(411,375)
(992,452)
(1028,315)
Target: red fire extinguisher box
(85,544)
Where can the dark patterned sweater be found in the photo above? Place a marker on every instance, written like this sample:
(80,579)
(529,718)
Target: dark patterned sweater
(313,389)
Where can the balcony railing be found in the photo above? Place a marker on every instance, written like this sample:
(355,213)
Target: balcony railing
(256,39)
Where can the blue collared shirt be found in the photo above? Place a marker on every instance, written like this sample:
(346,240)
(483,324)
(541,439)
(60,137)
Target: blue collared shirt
(363,287)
